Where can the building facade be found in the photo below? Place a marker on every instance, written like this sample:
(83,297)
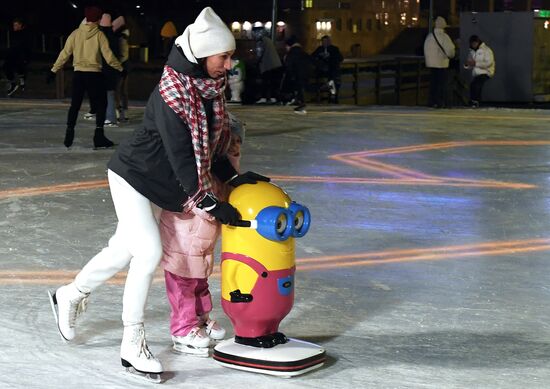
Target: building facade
(358,27)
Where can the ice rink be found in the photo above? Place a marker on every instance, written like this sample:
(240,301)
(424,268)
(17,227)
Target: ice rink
(427,264)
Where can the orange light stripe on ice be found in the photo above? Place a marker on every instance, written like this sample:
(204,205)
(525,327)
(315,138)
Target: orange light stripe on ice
(59,277)
(100,184)
(409,181)
(426,257)
(440,249)
(50,189)
(432,115)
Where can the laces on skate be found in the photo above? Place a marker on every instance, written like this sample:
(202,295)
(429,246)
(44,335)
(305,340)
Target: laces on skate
(77,310)
(143,348)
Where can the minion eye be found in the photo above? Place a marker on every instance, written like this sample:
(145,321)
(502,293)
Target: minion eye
(302,219)
(299,220)
(281,224)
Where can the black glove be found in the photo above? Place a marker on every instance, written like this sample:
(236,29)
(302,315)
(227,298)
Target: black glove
(225,213)
(221,210)
(50,77)
(248,178)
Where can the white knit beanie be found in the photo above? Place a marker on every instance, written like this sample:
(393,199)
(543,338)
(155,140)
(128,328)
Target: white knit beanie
(207,36)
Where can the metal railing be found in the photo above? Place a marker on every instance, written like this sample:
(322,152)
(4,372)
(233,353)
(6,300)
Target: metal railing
(398,80)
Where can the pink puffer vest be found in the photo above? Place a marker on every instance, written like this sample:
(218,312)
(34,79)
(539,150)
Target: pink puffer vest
(189,239)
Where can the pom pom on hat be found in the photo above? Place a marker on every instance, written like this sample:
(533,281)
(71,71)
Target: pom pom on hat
(207,36)
(105,20)
(92,14)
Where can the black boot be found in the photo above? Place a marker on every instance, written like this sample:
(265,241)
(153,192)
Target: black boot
(69,136)
(100,141)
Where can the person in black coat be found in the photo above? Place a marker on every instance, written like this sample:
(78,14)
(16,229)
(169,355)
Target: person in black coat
(297,71)
(18,56)
(327,59)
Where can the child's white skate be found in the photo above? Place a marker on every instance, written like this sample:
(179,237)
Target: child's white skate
(136,357)
(67,304)
(195,343)
(215,331)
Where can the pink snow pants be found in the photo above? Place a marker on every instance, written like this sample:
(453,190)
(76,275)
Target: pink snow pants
(189,298)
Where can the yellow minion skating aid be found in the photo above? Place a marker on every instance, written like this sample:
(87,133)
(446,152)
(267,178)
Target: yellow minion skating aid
(258,265)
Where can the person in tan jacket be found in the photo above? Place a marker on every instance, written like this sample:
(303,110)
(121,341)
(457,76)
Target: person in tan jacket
(87,44)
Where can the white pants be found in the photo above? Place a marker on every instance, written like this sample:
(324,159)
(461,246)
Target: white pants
(136,242)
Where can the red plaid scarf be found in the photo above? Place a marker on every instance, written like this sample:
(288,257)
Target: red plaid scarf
(183,94)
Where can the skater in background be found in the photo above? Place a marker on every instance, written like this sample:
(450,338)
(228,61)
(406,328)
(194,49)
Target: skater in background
(482,63)
(438,50)
(121,97)
(168,163)
(297,65)
(17,57)
(87,45)
(116,82)
(111,76)
(269,65)
(328,58)
(188,241)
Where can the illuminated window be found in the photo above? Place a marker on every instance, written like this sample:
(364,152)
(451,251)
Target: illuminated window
(323,26)
(308,3)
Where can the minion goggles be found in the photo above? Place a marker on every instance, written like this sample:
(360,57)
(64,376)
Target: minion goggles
(278,223)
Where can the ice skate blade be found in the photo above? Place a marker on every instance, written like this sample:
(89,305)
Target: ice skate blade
(154,378)
(285,360)
(53,303)
(104,147)
(188,350)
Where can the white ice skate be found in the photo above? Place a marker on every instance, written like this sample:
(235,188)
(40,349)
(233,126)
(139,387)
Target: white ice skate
(67,304)
(195,343)
(213,329)
(136,357)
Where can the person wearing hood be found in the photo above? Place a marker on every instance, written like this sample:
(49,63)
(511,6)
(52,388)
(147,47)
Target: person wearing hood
(87,44)
(438,50)
(168,163)
(482,63)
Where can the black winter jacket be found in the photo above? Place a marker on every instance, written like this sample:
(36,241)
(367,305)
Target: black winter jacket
(158,160)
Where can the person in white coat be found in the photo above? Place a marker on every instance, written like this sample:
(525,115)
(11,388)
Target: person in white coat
(438,50)
(482,63)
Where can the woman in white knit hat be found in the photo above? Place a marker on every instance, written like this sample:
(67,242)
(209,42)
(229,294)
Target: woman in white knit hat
(166,164)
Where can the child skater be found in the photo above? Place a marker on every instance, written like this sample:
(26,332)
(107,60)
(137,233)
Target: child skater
(188,241)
